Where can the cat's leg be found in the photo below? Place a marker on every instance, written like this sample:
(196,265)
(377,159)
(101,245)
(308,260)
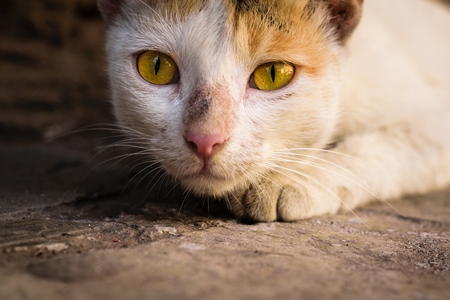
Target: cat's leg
(382,164)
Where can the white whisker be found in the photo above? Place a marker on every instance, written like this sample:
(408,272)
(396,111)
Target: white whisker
(359,182)
(138,173)
(291,151)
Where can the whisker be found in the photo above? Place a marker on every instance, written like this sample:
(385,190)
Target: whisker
(158,168)
(120,157)
(147,187)
(359,182)
(99,127)
(160,179)
(186,195)
(137,162)
(138,173)
(290,151)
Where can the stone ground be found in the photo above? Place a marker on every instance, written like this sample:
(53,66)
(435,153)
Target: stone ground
(77,222)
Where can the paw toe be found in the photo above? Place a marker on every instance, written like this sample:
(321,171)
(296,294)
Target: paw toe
(292,204)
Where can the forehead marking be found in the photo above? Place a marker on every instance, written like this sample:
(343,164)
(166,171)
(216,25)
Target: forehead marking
(178,9)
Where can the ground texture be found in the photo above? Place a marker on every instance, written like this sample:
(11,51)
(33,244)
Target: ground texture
(77,222)
(73,226)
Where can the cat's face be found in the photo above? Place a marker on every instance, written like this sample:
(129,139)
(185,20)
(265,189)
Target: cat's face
(219,90)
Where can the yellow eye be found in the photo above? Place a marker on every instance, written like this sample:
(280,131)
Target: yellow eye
(157,68)
(272,76)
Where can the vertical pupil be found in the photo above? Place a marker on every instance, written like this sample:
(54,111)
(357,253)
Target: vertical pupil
(157,62)
(272,73)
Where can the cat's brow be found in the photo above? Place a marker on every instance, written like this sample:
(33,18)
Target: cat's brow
(176,8)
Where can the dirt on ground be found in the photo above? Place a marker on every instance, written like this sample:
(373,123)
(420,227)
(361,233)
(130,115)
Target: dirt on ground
(80,218)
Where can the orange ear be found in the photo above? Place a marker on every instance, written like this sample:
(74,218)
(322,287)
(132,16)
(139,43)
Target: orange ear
(110,8)
(345,16)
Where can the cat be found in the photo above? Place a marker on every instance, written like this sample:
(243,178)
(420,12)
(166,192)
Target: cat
(286,109)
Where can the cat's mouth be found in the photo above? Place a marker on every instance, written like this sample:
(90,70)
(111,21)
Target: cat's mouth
(206,174)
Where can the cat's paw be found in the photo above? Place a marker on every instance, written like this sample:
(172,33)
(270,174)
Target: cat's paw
(269,201)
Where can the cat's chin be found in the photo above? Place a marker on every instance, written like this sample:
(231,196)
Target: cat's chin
(209,185)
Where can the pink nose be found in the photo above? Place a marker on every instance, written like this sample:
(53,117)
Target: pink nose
(205,144)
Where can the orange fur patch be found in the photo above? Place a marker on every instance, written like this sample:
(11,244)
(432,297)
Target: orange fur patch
(291,31)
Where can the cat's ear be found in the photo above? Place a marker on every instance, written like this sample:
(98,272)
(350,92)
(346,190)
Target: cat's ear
(345,16)
(110,9)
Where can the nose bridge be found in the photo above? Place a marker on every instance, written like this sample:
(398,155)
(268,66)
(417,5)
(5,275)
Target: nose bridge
(209,118)
(199,105)
(209,111)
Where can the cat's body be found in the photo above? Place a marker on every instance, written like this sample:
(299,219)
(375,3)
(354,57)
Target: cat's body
(364,117)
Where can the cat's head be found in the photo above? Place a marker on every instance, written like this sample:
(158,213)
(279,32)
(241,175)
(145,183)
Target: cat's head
(220,90)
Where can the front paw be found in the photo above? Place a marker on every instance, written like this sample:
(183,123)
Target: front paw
(272,201)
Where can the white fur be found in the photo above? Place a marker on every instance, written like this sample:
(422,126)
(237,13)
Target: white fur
(388,106)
